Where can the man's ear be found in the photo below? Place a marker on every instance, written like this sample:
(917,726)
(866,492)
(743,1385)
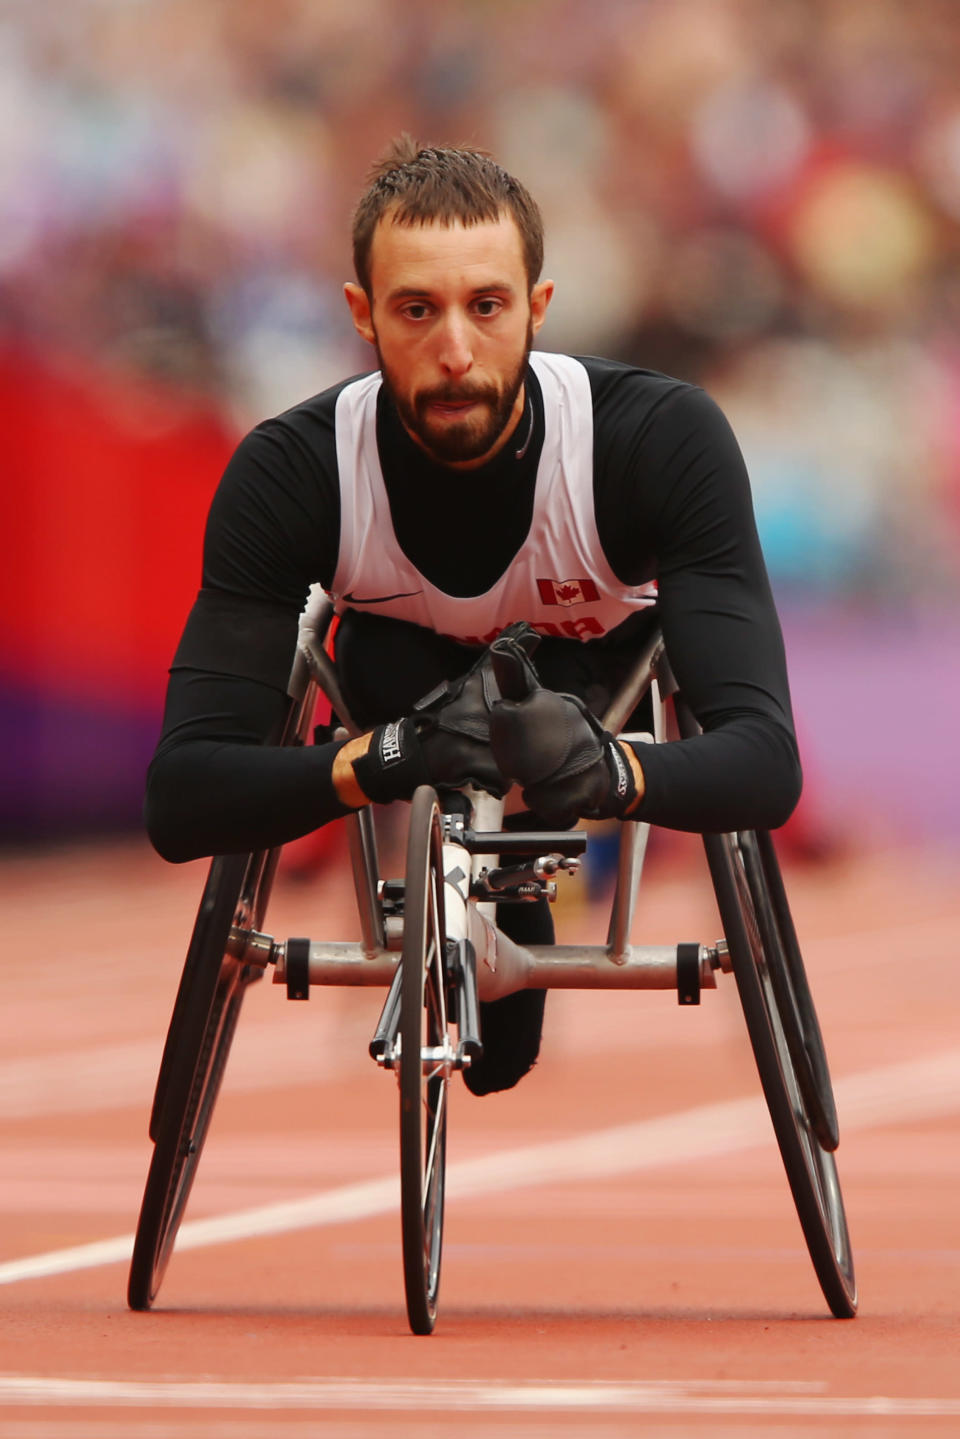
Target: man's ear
(540,297)
(359,302)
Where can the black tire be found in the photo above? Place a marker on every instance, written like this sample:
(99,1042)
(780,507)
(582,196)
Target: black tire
(801,1026)
(235,894)
(423,1091)
(778,1010)
(198,1042)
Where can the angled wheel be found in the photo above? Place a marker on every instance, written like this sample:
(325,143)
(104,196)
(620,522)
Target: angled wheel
(424,1063)
(789,979)
(195,1054)
(786,1042)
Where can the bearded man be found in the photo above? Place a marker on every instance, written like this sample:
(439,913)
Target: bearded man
(467,483)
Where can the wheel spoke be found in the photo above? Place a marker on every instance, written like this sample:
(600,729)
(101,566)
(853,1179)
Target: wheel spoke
(438,1117)
(436,987)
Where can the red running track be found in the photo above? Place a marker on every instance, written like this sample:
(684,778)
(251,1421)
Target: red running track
(649,1279)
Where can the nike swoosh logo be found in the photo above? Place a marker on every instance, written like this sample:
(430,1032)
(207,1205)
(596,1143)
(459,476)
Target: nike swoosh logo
(351,599)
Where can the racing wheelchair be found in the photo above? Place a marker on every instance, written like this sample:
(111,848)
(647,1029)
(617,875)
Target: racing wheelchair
(431,941)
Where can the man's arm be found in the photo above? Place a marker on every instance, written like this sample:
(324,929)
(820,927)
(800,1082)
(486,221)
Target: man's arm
(673,499)
(216,783)
(216,787)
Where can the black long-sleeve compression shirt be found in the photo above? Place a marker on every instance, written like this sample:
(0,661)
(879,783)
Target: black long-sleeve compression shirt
(672,502)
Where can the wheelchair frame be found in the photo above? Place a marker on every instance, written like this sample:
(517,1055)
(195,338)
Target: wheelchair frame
(433,943)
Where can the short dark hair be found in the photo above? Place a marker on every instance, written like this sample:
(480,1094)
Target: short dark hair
(416,184)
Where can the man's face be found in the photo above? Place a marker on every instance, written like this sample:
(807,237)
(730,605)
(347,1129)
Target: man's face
(452,322)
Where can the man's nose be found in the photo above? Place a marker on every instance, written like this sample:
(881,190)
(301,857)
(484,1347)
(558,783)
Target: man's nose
(456,351)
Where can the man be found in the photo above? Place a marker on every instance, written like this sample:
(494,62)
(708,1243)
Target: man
(466,484)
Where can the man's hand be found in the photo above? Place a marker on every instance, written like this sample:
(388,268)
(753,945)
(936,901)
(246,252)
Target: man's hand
(445,742)
(568,765)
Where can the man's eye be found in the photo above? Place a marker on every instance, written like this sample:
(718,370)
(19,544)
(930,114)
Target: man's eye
(415,312)
(488,307)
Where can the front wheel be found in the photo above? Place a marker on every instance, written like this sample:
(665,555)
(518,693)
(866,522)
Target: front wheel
(425,1062)
(787,1047)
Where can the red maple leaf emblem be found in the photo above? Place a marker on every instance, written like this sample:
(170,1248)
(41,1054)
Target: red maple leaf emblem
(567,592)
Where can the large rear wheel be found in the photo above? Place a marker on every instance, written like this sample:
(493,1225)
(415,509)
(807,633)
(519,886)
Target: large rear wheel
(787,1046)
(425,1063)
(198,1042)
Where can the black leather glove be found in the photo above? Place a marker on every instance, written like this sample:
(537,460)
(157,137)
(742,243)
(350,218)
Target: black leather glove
(568,765)
(444,743)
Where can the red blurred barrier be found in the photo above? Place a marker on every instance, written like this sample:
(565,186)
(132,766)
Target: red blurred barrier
(109,483)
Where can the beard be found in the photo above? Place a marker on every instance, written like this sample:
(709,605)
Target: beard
(454,441)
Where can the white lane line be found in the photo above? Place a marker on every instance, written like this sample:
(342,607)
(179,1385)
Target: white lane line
(893,1094)
(478,1395)
(95,1080)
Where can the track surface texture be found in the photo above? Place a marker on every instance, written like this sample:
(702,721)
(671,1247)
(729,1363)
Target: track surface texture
(621,1252)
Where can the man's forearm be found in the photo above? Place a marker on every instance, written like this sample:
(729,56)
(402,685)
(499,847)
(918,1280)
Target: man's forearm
(743,775)
(207,797)
(344,779)
(638,777)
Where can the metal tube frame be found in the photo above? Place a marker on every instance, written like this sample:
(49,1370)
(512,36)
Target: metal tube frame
(501,965)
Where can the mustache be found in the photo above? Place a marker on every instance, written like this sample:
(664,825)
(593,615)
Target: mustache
(455,394)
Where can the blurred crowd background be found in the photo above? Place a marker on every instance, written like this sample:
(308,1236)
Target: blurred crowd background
(762,198)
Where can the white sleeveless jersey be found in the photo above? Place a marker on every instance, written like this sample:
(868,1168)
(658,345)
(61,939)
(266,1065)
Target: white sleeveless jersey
(559,580)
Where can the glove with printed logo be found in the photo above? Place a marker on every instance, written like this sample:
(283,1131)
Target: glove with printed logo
(568,765)
(444,743)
